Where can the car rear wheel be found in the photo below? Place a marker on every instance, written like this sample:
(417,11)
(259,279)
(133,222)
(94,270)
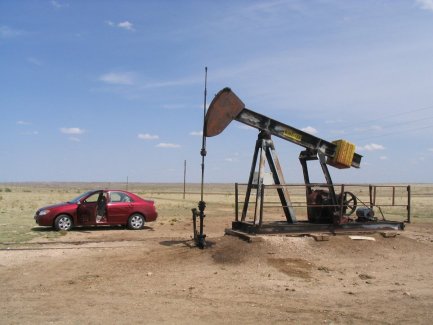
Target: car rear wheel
(136,221)
(63,222)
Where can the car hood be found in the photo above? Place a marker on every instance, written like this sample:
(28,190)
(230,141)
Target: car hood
(58,205)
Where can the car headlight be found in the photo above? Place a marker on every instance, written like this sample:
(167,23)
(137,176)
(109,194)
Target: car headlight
(43,212)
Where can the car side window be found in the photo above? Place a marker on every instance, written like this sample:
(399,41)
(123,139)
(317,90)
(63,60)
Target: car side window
(118,197)
(92,198)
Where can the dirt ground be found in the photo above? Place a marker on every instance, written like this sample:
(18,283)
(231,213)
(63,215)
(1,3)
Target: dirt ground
(118,276)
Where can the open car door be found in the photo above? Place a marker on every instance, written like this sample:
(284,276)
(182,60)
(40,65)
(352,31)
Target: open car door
(86,211)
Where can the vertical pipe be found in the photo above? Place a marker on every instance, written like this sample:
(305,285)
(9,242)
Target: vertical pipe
(236,203)
(408,203)
(393,195)
(370,189)
(194,223)
(203,139)
(184,179)
(200,239)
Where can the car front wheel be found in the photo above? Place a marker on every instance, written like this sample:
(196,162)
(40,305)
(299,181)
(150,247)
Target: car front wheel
(63,222)
(136,221)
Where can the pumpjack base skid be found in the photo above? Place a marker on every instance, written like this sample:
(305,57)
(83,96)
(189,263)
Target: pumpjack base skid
(304,227)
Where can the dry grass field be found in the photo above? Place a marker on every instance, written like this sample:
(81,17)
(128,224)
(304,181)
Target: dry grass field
(118,276)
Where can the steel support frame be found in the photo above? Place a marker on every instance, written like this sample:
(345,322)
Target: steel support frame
(265,151)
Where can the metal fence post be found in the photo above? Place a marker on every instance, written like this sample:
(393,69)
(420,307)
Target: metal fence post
(408,203)
(236,203)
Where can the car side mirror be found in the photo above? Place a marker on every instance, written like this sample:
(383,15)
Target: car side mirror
(78,202)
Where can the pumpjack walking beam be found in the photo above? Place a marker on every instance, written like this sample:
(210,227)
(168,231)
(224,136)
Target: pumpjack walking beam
(226,107)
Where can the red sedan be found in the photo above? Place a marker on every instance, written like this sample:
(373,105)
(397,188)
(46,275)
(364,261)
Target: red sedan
(98,207)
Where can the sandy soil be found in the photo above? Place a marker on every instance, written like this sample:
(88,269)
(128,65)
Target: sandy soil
(117,276)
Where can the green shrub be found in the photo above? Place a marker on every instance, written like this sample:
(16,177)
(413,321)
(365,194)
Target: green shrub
(8,190)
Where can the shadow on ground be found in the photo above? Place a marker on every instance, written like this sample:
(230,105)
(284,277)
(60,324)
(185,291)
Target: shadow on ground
(87,229)
(186,242)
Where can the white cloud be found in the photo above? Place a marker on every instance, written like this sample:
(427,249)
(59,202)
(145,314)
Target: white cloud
(334,121)
(147,136)
(234,157)
(309,129)
(75,131)
(34,61)
(369,128)
(124,25)
(167,145)
(172,106)
(31,133)
(425,4)
(118,78)
(371,147)
(23,123)
(383,157)
(137,85)
(6,32)
(58,5)
(169,83)
(196,133)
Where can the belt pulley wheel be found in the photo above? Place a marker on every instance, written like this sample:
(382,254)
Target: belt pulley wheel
(349,202)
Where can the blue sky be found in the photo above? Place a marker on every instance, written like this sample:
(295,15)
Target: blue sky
(105,90)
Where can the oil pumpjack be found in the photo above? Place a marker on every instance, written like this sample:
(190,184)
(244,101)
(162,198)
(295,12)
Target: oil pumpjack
(327,210)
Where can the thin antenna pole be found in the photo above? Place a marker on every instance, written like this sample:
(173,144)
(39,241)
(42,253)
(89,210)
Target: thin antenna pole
(199,237)
(203,143)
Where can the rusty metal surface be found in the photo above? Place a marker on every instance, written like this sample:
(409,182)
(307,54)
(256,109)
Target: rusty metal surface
(222,110)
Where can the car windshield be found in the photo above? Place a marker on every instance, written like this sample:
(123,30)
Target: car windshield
(78,198)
